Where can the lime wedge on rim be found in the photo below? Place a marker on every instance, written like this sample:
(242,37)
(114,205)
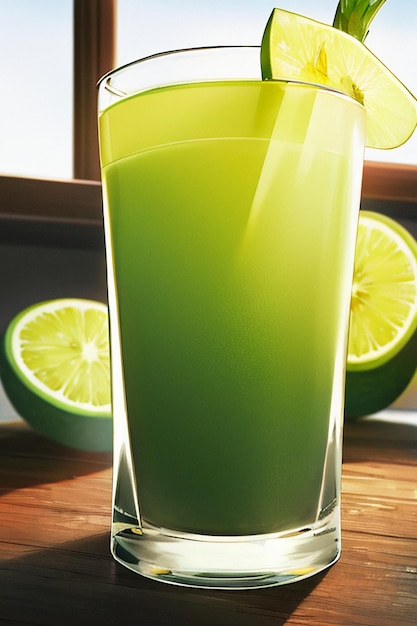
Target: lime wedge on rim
(55,368)
(384,293)
(298,48)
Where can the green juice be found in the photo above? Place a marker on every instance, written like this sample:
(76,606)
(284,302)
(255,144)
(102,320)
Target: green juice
(232,209)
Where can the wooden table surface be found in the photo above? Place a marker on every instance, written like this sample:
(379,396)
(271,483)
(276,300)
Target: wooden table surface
(56,569)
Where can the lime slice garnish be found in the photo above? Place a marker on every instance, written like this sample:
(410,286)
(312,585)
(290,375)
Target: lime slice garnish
(297,48)
(384,293)
(60,350)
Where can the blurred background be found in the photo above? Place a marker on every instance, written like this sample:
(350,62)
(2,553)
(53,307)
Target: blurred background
(37,67)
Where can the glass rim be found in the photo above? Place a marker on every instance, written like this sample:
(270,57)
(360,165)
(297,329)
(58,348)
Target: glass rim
(168,53)
(104,81)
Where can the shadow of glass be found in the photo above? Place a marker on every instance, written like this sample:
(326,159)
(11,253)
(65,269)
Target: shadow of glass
(80,583)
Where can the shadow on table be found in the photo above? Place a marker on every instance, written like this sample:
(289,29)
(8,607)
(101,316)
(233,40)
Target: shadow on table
(28,459)
(80,583)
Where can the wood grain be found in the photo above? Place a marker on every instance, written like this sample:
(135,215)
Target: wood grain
(55,565)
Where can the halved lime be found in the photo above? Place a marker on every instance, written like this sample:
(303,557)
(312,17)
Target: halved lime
(382,352)
(384,293)
(297,48)
(55,368)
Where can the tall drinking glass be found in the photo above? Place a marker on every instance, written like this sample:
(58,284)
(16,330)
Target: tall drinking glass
(231,208)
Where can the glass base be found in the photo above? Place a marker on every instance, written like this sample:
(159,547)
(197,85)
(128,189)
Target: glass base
(217,562)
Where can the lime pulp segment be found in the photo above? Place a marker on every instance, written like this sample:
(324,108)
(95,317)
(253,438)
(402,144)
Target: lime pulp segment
(62,349)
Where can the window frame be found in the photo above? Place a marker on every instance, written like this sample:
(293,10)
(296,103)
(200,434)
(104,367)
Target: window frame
(78,201)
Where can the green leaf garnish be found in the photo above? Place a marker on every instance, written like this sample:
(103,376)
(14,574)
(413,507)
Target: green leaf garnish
(355,16)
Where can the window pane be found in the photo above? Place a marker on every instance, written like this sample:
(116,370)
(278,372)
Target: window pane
(157,25)
(36,102)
